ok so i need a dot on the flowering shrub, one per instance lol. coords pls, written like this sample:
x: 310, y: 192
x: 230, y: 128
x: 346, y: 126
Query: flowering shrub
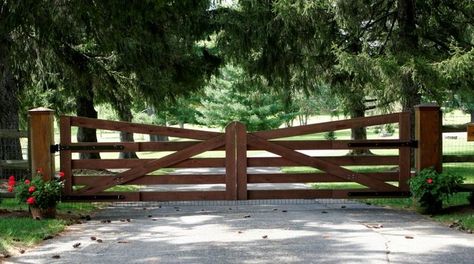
x: 430, y: 188
x: 37, y: 192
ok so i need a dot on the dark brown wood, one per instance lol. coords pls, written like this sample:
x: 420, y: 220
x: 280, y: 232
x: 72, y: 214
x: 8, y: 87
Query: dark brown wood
x: 326, y: 166
x: 150, y: 196
x: 328, y: 126
x: 230, y: 162
x: 428, y: 133
x: 148, y: 167
x: 336, y: 144
x: 342, y: 160
x: 10, y: 133
x: 457, y: 158
x: 139, y: 146
x: 157, y: 179
x: 124, y: 164
x: 315, y: 194
x: 313, y: 177
x: 65, y: 157
x: 454, y: 128
x: 241, y: 153
x: 142, y: 128
x: 404, y: 153
x: 41, y: 138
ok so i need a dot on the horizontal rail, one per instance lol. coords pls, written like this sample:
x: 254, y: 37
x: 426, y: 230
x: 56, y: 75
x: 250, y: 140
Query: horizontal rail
x: 312, y: 177
x: 454, y: 128
x: 220, y: 162
x: 14, y: 164
x: 329, y: 126
x: 457, y: 158
x: 141, y: 128
x: 150, y: 196
x: 10, y: 133
x: 315, y: 194
x: 158, y: 179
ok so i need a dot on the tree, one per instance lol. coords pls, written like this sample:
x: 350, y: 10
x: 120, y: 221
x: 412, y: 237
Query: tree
x: 231, y: 97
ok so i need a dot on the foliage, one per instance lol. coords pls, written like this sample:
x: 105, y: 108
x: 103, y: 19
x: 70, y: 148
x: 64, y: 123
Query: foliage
x: 430, y: 188
x: 471, y: 198
x: 231, y: 97
x: 330, y: 135
x: 38, y: 192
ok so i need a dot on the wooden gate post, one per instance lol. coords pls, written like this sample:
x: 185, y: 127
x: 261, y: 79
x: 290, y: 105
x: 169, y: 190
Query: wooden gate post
x: 41, y: 138
x: 230, y: 163
x: 241, y: 158
x: 429, y: 135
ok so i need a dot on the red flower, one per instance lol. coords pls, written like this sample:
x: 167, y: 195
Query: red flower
x: 10, y: 188
x: 31, y: 189
x: 31, y: 201
x: 27, y: 182
x: 39, y: 170
x: 429, y: 181
x: 11, y: 178
x: 11, y: 183
x: 61, y: 174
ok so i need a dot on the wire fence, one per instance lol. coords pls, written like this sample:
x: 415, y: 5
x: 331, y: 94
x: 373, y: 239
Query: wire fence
x: 13, y: 156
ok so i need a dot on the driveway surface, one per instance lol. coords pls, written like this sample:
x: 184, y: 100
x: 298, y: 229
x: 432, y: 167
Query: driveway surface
x: 272, y: 231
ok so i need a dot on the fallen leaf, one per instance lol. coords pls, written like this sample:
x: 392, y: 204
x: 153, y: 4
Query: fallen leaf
x: 240, y: 232
x: 128, y: 220
x: 99, y: 240
x: 93, y: 238
x: 284, y: 211
x: 409, y: 237
x: 246, y: 216
x: 265, y: 236
x: 122, y: 242
x: 324, y: 212
x: 343, y: 206
x: 76, y: 245
x: 56, y: 257
x: 150, y: 216
x: 22, y: 251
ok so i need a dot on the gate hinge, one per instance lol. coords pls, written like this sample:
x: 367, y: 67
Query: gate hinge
x: 58, y: 147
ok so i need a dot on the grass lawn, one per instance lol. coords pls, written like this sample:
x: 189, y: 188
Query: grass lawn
x: 19, y: 231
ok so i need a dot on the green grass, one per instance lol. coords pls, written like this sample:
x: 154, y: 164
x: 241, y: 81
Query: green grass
x: 21, y: 231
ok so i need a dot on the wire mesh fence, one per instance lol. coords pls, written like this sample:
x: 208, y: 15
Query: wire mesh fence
x: 13, y: 157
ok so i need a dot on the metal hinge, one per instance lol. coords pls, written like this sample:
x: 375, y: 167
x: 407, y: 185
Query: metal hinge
x: 58, y: 147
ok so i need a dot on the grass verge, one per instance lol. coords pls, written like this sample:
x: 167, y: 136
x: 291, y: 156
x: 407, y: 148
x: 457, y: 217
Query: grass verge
x: 18, y: 231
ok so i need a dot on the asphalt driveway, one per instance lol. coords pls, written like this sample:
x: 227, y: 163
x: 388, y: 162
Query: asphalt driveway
x: 283, y: 231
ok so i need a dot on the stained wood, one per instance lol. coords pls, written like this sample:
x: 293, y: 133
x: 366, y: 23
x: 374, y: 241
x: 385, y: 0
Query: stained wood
x: 332, y: 144
x: 65, y: 156
x: 404, y: 153
x: 130, y: 163
x: 328, y: 126
x: 241, y: 154
x: 142, y: 128
x: 342, y: 160
x: 458, y: 158
x: 315, y: 194
x: 152, y: 196
x: 40, y: 141
x: 10, y: 133
x: 470, y: 132
x: 326, y: 166
x: 313, y: 177
x: 157, y: 179
x: 428, y: 133
x: 230, y: 163
x: 150, y: 166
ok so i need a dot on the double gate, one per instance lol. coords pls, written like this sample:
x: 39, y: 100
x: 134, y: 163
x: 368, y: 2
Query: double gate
x: 237, y: 150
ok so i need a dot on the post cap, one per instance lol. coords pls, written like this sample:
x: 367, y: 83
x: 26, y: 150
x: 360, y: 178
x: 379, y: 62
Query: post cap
x: 41, y: 110
x: 427, y: 106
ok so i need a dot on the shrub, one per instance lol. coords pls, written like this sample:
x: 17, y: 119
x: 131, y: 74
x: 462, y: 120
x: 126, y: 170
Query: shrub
x: 430, y: 189
x: 39, y: 193
x: 330, y: 135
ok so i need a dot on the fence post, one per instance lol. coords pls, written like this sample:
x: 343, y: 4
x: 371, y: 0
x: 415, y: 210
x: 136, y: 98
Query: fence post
x: 429, y: 135
x: 230, y: 163
x: 41, y: 138
x: 241, y: 159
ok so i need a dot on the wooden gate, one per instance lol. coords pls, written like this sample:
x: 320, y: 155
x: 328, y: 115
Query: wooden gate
x: 235, y: 147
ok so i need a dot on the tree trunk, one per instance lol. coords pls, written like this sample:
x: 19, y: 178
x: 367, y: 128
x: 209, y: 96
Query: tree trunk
x: 407, y: 44
x: 359, y: 133
x: 10, y: 148
x: 125, y: 114
x: 85, y: 107
x: 155, y: 138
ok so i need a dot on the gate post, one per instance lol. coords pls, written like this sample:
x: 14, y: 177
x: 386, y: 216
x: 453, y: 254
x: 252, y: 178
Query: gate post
x: 41, y: 138
x: 241, y: 159
x: 230, y: 163
x: 429, y: 135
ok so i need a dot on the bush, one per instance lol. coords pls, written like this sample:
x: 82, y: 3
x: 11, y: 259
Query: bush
x: 430, y: 189
x: 471, y: 199
x: 330, y: 135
